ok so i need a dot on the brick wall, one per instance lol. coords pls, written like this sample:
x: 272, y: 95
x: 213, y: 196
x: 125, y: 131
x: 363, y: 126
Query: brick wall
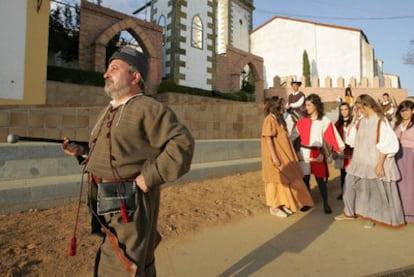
x: 207, y: 118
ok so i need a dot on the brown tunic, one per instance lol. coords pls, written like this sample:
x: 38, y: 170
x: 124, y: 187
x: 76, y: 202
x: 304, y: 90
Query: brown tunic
x: 140, y: 136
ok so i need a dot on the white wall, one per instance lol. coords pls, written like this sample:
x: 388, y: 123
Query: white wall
x: 12, y: 48
x: 162, y: 9
x: 222, y: 26
x: 196, y: 63
x: 332, y: 52
x: 240, y: 27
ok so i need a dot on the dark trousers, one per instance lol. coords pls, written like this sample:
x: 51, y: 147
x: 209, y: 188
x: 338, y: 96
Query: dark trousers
x: 323, y: 189
x: 343, y: 175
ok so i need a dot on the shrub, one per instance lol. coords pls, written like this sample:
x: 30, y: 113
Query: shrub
x: 75, y: 76
x: 83, y: 77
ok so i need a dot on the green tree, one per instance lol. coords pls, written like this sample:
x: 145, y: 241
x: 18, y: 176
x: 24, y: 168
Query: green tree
x: 64, y: 32
x: 306, y: 68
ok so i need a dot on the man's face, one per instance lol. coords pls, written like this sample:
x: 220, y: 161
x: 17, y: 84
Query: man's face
x: 117, y: 79
x: 295, y: 87
x: 385, y: 98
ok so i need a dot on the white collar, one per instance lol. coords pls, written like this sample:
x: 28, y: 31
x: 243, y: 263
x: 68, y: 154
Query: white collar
x: 125, y: 101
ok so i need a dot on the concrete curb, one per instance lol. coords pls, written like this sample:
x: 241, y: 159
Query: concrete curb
x: 40, y: 176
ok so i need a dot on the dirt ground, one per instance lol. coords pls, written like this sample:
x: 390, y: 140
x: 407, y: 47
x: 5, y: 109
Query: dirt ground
x: 36, y: 243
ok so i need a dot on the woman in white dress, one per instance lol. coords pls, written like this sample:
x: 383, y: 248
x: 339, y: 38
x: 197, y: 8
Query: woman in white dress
x: 370, y: 191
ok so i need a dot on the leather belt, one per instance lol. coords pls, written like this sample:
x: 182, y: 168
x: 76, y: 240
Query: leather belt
x: 311, y: 147
x: 104, y: 180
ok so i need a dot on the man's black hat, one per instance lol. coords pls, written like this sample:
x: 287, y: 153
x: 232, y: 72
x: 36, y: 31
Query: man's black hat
x: 134, y: 58
x: 296, y: 82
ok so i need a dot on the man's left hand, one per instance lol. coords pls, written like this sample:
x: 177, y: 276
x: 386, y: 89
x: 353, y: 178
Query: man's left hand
x: 140, y: 182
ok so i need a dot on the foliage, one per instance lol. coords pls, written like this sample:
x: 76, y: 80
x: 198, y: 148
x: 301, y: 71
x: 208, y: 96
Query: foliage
x: 306, y: 68
x: 83, y: 77
x: 76, y: 76
x: 64, y: 32
x: 170, y: 86
x: 248, y: 83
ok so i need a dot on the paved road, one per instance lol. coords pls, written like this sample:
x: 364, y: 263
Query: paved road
x: 305, y: 244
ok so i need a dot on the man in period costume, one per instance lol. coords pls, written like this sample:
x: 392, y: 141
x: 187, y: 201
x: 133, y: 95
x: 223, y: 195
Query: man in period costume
x: 136, y: 145
x: 296, y: 100
x: 387, y: 106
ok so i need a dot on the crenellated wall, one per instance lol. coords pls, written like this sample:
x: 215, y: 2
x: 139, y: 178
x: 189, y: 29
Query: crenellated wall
x: 328, y: 93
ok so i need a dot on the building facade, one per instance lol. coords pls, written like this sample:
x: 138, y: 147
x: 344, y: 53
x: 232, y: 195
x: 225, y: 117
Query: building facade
x: 333, y: 51
x: 23, y: 51
x: 195, y: 32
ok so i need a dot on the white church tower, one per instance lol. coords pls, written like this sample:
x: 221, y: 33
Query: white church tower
x: 195, y: 32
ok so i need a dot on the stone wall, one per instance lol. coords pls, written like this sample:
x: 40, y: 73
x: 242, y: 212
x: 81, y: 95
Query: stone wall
x: 328, y: 93
x: 74, y: 112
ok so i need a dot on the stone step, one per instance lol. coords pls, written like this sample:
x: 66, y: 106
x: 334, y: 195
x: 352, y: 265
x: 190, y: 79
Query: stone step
x: 37, y: 160
x: 47, y: 192
x: 39, y: 175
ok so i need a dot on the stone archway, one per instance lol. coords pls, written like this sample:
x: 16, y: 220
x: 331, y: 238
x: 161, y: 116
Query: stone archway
x: 99, y: 25
x: 230, y: 68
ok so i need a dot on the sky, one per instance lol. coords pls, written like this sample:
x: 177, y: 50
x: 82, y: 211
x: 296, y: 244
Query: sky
x: 384, y: 22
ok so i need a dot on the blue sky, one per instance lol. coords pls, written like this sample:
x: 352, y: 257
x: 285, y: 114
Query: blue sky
x: 384, y: 22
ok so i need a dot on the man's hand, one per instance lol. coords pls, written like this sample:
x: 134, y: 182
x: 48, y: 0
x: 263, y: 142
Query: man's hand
x: 141, y: 183
x: 72, y: 149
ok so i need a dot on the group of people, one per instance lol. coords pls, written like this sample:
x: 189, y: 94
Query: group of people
x: 138, y: 144
x: 374, y: 156
x: 294, y: 147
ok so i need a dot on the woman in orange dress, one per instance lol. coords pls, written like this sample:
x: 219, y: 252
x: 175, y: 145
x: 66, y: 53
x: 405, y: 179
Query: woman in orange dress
x: 285, y: 190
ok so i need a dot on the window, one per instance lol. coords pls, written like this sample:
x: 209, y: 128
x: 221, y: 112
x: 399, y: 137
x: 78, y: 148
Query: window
x: 197, y: 32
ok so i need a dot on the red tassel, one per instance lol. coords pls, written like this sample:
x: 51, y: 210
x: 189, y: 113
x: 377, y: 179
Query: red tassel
x: 124, y: 213
x: 72, y: 249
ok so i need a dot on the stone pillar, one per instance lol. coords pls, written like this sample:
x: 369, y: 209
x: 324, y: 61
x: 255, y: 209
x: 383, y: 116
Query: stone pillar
x: 100, y: 57
x: 340, y: 82
x: 364, y: 82
x: 303, y: 80
x: 353, y: 82
x: 387, y: 83
x: 328, y: 82
x: 315, y: 82
x: 376, y: 82
x: 276, y: 82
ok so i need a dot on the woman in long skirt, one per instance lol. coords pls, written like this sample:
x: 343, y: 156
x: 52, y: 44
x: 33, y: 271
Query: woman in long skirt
x: 370, y: 190
x: 285, y: 190
x: 405, y: 157
x: 343, y: 160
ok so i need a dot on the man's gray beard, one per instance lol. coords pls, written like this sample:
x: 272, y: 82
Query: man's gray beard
x: 116, y: 92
